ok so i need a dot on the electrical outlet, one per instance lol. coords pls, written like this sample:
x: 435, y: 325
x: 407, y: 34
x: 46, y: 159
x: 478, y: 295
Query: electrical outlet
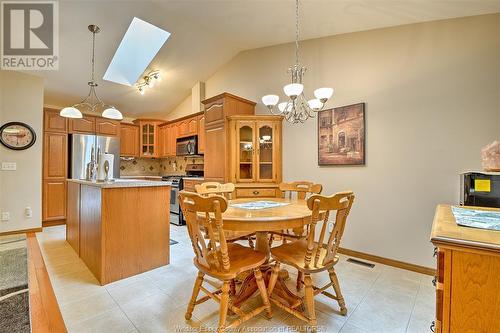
x: 28, y: 212
x: 5, y: 216
x: 9, y: 166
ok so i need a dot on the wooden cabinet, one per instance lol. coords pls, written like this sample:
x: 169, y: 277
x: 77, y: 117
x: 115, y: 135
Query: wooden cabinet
x: 255, y: 149
x: 107, y: 127
x: 85, y: 125
x: 53, y: 122
x: 129, y: 140
x: 73, y: 216
x: 201, y: 134
x: 217, y: 143
x: 256, y: 192
x: 467, y: 281
x: 167, y: 139
x: 54, y: 199
x: 55, y: 166
x: 187, y: 127
x: 55, y: 155
x: 149, y: 137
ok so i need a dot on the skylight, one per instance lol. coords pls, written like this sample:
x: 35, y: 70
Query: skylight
x: 139, y: 45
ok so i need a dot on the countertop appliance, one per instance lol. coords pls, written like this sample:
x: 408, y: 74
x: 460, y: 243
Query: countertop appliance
x: 85, y: 151
x: 177, y: 184
x: 480, y: 189
x: 187, y: 146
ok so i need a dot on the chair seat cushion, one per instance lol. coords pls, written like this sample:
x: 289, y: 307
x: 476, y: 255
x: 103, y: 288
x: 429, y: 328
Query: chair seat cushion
x: 241, y: 259
x: 294, y: 253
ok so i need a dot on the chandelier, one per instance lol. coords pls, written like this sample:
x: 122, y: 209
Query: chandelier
x: 297, y: 108
x: 92, y: 103
x: 148, y: 81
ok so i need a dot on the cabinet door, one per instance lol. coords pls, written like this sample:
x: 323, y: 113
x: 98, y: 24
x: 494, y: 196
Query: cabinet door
x: 215, y: 153
x: 172, y: 140
x: 201, y: 134
x: 129, y: 140
x: 73, y: 216
x: 214, y: 112
x: 192, y: 126
x: 53, y: 122
x: 55, y: 152
x: 266, y: 151
x: 54, y: 200
x: 85, y: 125
x: 163, y: 141
x: 107, y: 127
x: 149, y: 140
x: 246, y: 151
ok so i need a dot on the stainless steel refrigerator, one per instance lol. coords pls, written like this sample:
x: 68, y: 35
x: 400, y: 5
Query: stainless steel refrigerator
x: 83, y: 148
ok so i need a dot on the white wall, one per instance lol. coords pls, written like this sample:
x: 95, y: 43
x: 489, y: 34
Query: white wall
x: 21, y: 99
x: 432, y: 102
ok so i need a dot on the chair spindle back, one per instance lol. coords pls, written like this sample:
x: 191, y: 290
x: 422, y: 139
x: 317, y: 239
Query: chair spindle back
x: 215, y: 188
x: 341, y: 203
x: 299, y: 189
x: 211, y: 253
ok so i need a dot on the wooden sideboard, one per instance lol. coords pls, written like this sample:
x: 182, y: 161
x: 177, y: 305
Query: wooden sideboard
x: 468, y: 275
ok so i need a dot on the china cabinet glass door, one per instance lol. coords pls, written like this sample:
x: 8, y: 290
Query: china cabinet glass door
x: 265, y: 152
x: 148, y: 140
x: 246, y: 152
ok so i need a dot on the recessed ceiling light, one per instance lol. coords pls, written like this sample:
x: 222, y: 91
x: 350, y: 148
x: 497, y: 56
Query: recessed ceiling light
x: 139, y: 46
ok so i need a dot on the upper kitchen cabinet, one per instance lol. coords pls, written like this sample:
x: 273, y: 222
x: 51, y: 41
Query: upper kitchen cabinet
x: 201, y: 134
x: 187, y: 127
x: 107, y: 127
x: 129, y: 140
x: 53, y: 122
x: 216, y: 142
x: 85, y: 125
x: 149, y: 137
x: 55, y: 155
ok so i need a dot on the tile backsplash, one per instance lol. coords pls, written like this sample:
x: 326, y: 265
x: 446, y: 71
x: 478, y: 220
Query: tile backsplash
x: 157, y: 167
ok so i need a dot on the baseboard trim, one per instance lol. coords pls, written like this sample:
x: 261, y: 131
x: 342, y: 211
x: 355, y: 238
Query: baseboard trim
x: 389, y: 262
x: 53, y: 223
x: 24, y: 231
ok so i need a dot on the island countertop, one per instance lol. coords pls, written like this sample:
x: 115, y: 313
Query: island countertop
x: 117, y: 183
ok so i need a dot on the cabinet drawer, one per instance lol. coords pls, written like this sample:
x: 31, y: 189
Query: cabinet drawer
x: 255, y: 192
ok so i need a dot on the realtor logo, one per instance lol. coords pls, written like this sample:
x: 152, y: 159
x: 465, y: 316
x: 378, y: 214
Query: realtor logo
x: 29, y: 33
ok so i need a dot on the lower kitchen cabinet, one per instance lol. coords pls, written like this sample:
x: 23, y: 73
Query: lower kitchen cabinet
x: 54, y: 199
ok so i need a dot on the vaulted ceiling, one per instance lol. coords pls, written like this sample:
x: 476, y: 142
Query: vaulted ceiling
x: 208, y: 33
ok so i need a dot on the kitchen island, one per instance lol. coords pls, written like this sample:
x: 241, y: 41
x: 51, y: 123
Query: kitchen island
x: 119, y: 229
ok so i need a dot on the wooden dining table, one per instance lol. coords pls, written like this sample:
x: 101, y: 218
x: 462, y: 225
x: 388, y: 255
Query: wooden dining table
x: 294, y: 214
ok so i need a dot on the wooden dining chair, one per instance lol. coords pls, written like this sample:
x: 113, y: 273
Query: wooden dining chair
x: 218, y: 259
x: 309, y: 256
x: 227, y: 191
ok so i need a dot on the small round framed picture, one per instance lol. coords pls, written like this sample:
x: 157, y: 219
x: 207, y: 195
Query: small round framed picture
x: 17, y: 136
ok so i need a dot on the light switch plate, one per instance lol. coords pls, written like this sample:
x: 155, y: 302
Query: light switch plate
x: 5, y: 216
x: 9, y: 166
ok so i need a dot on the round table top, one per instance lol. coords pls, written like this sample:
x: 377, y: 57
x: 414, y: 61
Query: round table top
x: 293, y: 215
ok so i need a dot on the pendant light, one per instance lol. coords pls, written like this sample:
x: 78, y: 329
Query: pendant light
x: 92, y: 103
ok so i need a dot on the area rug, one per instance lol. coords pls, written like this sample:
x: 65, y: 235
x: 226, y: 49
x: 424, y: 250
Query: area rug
x: 14, y: 301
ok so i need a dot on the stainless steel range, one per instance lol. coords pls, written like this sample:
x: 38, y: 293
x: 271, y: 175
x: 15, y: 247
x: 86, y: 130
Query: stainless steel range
x: 176, y: 183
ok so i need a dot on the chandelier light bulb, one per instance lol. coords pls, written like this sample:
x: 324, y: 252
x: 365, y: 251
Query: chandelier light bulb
x: 282, y: 106
x: 323, y: 94
x: 112, y: 113
x: 142, y: 90
x: 315, y: 104
x: 293, y: 90
x: 70, y: 112
x: 270, y: 100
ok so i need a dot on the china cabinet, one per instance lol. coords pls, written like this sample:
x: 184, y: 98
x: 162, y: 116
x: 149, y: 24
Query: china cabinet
x: 148, y: 137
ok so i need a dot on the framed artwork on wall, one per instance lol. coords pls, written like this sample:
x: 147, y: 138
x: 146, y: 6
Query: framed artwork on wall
x: 341, y: 135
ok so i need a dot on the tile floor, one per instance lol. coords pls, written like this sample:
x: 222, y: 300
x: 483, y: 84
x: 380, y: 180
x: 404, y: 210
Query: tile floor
x: 380, y: 299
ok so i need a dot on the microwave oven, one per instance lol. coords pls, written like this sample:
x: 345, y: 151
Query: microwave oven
x: 480, y: 189
x: 187, y: 146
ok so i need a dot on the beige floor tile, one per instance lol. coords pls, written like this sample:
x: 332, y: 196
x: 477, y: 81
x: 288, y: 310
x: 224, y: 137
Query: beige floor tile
x: 85, y: 308
x: 158, y: 313
x: 350, y: 328
x: 110, y: 321
x: 122, y: 294
x: 383, y: 312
